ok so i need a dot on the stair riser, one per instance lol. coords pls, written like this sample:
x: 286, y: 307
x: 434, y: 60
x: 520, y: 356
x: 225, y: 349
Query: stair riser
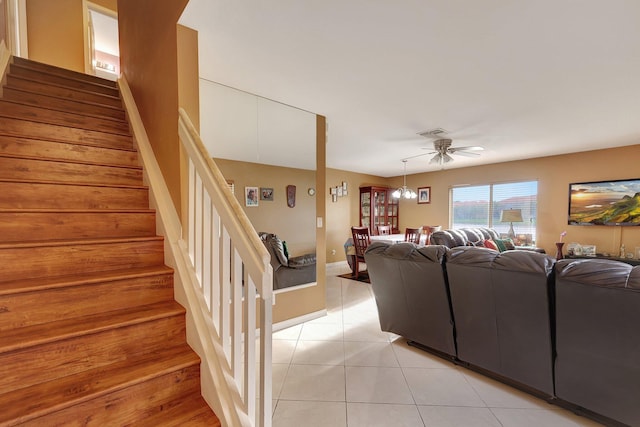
x: 44, y: 261
x: 62, y: 72
x: 61, y: 151
x: 27, y: 129
x: 26, y: 309
x: 19, y: 368
x: 45, y: 170
x: 55, y: 225
x: 64, y: 92
x: 42, y: 76
x: 126, y: 407
x: 43, y: 115
x: 60, y: 104
x: 19, y: 195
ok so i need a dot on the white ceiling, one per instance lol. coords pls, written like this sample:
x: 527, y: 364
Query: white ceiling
x: 520, y: 78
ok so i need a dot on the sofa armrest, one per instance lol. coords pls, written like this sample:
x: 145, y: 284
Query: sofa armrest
x: 302, y: 261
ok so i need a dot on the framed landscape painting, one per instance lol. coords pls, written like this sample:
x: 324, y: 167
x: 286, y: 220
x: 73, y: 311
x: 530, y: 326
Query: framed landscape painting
x: 605, y: 202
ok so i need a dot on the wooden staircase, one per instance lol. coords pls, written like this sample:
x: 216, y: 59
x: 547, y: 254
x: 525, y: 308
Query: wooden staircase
x: 90, y: 333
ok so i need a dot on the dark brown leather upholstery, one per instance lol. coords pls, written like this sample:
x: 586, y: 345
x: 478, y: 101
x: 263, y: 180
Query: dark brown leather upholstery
x: 501, y: 306
x: 463, y: 236
x: 288, y: 271
x: 598, y: 338
x: 410, y: 288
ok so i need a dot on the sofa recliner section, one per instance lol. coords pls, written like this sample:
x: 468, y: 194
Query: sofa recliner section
x: 411, y: 294
x: 501, y: 308
x: 597, y: 339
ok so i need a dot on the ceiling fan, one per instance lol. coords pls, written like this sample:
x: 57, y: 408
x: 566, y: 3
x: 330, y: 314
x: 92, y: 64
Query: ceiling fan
x: 443, y: 148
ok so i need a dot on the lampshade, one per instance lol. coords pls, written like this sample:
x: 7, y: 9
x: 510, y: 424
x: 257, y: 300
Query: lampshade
x: 511, y: 215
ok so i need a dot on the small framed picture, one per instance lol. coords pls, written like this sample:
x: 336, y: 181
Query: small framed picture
x: 424, y: 195
x: 266, y: 193
x: 339, y: 191
x: 333, y: 191
x: 344, y: 187
x: 251, y: 196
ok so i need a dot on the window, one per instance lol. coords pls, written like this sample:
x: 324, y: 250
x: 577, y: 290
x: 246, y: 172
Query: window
x: 482, y: 206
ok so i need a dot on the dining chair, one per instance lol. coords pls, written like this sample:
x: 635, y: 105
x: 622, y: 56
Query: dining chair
x: 384, y: 230
x: 428, y: 230
x: 412, y: 235
x: 360, y: 243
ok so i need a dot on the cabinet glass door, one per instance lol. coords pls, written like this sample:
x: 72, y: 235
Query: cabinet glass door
x: 365, y: 209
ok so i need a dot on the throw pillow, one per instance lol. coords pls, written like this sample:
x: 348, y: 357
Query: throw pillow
x: 491, y: 245
x: 504, y: 244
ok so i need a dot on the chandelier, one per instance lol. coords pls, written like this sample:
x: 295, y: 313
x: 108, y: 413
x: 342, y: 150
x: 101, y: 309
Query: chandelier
x: 404, y: 192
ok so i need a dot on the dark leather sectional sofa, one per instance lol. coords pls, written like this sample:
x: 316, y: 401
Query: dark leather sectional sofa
x: 565, y: 331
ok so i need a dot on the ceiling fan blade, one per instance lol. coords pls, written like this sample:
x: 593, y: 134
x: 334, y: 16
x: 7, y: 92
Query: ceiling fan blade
x: 446, y: 158
x: 470, y: 148
x: 437, y: 159
x: 466, y: 154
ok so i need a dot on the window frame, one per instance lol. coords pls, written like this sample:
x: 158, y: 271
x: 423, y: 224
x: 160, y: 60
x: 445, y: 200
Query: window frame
x: 529, y: 231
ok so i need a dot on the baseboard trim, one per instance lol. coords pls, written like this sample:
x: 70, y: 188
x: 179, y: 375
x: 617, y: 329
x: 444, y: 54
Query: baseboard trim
x: 297, y: 320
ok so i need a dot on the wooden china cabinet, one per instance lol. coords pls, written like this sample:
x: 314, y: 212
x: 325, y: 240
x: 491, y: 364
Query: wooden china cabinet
x: 377, y: 207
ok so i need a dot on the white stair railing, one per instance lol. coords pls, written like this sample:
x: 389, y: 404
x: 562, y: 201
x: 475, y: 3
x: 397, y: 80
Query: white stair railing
x: 234, y: 273
x: 223, y: 278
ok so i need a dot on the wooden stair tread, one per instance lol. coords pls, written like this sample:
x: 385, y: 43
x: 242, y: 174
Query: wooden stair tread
x: 35, y: 181
x: 58, y: 103
x: 30, y: 336
x: 66, y: 211
x: 73, y: 161
x: 78, y: 242
x: 53, y: 76
x: 97, y: 94
x: 40, y: 399
x: 37, y: 65
x: 36, y: 113
x: 40, y: 284
x: 191, y: 410
x: 24, y: 127
x: 10, y: 138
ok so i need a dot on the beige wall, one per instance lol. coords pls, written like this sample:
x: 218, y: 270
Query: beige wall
x: 345, y: 212
x: 148, y: 56
x: 55, y: 33
x: 553, y: 175
x: 275, y: 216
x: 295, y: 225
x: 3, y: 22
x: 299, y: 302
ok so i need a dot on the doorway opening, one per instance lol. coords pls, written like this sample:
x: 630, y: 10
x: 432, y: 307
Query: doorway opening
x: 102, y: 51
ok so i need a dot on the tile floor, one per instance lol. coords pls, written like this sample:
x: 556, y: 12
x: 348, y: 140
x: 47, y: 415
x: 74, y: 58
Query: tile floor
x: 341, y: 370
